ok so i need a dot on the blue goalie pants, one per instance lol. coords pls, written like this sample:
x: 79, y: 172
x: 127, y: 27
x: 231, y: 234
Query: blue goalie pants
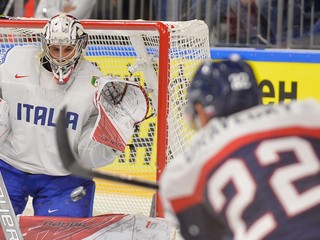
x: 51, y: 194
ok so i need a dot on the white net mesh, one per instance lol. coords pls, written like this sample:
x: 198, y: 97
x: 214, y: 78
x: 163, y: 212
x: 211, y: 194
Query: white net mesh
x: 157, y: 56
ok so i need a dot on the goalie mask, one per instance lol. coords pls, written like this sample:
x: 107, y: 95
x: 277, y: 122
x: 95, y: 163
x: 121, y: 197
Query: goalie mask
x: 63, y: 42
x: 223, y: 88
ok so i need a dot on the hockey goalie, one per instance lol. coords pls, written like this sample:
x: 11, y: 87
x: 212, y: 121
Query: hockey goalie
x: 37, y: 82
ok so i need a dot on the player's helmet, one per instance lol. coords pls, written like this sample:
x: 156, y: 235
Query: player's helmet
x: 223, y: 88
x: 63, y: 31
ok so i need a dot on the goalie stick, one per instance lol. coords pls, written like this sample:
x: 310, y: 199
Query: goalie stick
x: 8, y: 219
x: 8, y: 7
x: 70, y: 162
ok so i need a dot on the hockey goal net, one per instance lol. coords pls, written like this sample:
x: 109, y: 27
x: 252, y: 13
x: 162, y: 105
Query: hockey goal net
x: 162, y: 57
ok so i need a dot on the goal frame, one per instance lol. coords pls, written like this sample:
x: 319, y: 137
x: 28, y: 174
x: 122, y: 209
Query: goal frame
x: 164, y: 75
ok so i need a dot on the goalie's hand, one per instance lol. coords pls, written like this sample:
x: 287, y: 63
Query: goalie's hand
x: 4, y: 120
x: 121, y: 104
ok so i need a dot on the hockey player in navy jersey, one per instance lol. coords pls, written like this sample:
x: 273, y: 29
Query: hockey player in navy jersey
x: 36, y: 83
x: 252, y: 170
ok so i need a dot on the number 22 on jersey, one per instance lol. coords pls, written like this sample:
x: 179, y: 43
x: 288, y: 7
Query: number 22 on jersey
x: 281, y: 181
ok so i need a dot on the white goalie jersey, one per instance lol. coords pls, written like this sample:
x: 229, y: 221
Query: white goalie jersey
x: 35, y: 101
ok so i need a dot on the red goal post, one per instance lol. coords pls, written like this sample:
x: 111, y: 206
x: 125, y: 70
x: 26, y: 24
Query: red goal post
x: 162, y: 57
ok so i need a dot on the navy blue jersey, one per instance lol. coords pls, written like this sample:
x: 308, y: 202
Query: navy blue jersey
x: 254, y: 175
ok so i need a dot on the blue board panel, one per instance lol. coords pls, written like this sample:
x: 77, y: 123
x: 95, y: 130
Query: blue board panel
x: 268, y: 55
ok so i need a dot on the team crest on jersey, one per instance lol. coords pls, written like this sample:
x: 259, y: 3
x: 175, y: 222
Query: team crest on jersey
x: 94, y: 81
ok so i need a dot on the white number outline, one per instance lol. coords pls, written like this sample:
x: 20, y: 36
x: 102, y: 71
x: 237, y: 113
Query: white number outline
x: 281, y: 181
x: 236, y: 171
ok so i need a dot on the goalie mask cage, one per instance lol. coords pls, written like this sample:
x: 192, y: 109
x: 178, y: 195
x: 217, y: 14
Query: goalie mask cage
x: 162, y: 57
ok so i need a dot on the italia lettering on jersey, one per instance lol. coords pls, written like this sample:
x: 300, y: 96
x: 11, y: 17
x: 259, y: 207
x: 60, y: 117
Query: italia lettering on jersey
x: 35, y: 101
x: 40, y: 115
x: 257, y: 179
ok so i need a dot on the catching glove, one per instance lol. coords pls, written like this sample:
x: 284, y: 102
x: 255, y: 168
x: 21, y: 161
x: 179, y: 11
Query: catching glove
x: 122, y: 105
